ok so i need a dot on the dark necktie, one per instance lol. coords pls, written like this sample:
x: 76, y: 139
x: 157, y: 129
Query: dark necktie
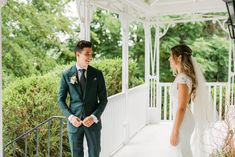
x: 82, y: 79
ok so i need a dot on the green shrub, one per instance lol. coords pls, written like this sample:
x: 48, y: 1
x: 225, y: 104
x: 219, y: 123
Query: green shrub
x: 26, y: 103
x: 112, y: 71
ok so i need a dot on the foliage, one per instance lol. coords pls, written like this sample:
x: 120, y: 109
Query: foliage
x: 112, y: 69
x: 214, y: 55
x: 32, y: 33
x: 136, y: 47
x: 106, y: 34
x: 207, y: 48
x: 26, y: 103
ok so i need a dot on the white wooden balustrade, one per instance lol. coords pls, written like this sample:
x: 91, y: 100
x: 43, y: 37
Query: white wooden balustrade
x: 122, y: 119
x: 218, y: 92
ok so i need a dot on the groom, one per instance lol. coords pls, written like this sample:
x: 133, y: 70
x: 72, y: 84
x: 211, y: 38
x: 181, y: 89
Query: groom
x: 87, y: 100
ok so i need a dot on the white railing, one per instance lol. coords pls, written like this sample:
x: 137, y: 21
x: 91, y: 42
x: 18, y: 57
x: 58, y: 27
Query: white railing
x: 217, y: 90
x: 124, y: 116
x: 113, y: 118
x: 137, y: 108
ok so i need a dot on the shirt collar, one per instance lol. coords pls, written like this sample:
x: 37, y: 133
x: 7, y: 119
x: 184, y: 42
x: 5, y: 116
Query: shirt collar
x: 78, y: 67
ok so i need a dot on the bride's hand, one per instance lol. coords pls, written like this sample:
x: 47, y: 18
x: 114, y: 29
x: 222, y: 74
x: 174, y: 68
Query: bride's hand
x: 174, y: 137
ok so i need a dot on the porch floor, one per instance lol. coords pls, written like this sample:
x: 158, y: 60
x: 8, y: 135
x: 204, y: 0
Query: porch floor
x: 153, y: 140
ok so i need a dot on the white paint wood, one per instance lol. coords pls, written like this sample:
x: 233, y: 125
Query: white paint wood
x: 85, y: 15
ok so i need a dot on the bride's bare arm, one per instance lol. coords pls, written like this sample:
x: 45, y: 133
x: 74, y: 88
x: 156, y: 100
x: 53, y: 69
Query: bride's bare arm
x: 183, y: 99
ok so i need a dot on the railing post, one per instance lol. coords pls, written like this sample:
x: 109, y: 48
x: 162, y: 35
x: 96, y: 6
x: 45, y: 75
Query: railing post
x: 14, y: 149
x: 37, y: 142
x: 48, y: 139
x: 61, y: 135
x: 125, y: 79
x: 26, y: 146
x: 147, y: 66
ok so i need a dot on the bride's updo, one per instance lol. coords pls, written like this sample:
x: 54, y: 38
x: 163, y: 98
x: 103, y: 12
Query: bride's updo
x: 186, y: 63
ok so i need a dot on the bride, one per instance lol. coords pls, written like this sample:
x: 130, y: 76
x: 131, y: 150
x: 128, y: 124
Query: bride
x: 189, y: 84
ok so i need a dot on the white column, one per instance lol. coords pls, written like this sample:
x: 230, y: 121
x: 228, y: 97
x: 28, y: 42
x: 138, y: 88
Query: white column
x: 125, y: 49
x: 147, y: 51
x: 223, y: 26
x: 125, y: 81
x: 2, y: 2
x: 147, y: 34
x: 85, y: 11
x: 158, y: 89
x: 158, y: 53
x: 228, y: 89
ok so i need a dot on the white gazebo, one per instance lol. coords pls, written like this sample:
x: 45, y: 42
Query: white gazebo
x: 137, y: 121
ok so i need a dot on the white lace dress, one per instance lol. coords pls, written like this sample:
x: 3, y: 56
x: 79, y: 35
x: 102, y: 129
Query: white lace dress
x: 183, y: 149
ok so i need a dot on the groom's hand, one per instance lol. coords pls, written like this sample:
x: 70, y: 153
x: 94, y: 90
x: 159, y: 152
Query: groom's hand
x: 76, y: 121
x: 88, y: 121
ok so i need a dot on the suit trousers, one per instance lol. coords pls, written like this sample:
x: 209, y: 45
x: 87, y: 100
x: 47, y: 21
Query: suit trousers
x: 92, y: 135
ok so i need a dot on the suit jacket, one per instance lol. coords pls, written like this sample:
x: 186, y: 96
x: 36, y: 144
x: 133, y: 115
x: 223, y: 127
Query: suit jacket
x: 92, y: 101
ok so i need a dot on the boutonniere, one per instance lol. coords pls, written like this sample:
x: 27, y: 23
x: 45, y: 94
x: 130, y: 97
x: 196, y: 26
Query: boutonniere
x: 73, y: 79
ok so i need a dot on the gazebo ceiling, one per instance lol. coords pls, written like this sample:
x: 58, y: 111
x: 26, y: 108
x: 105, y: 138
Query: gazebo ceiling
x: 192, y: 10
x: 157, y: 8
x: 175, y: 7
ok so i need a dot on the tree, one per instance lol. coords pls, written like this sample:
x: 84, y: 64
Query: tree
x: 106, y: 34
x: 32, y: 32
x: 208, y: 42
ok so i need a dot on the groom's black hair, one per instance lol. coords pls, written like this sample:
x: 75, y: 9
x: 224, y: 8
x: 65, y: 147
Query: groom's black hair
x: 81, y: 45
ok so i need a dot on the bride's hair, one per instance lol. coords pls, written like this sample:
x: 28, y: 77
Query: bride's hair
x: 186, y: 63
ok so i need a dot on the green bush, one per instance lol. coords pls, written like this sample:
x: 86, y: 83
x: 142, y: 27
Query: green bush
x: 29, y: 101
x: 26, y: 103
x: 112, y: 71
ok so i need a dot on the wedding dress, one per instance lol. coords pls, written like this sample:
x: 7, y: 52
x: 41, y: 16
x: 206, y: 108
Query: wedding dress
x: 183, y: 148
x: 191, y: 141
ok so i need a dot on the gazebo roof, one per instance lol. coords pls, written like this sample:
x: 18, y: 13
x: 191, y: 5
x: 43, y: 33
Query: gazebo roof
x: 152, y: 9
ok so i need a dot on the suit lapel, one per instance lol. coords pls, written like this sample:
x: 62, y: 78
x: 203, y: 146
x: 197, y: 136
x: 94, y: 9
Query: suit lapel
x: 77, y: 85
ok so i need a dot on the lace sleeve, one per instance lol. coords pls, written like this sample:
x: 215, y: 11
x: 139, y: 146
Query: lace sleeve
x: 184, y: 79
